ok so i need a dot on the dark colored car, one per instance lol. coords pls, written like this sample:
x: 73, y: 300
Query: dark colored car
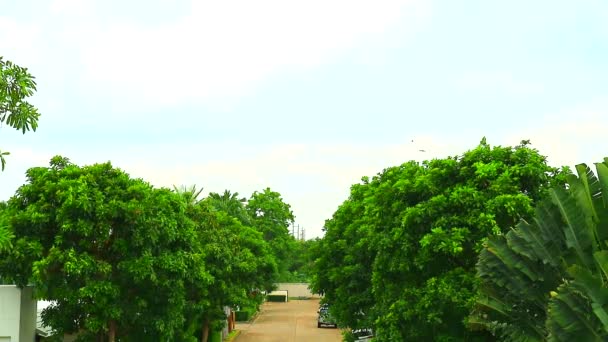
x: 362, y: 335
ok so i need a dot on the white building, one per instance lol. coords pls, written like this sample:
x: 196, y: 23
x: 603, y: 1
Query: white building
x: 17, y: 314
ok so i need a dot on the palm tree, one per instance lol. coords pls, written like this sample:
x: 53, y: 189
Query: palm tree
x: 231, y: 204
x: 190, y: 194
x: 548, y: 279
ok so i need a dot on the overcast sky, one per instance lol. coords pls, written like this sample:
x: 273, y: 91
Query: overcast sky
x: 304, y: 97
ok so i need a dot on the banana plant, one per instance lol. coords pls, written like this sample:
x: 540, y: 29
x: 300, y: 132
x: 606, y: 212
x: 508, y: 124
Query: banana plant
x: 547, y: 280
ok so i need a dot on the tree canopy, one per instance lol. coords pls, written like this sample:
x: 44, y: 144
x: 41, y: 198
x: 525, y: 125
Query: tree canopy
x: 271, y: 216
x: 120, y: 259
x: 399, y: 254
x: 112, y: 253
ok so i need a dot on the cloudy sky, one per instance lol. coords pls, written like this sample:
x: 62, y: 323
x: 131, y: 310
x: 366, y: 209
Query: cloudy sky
x: 304, y: 97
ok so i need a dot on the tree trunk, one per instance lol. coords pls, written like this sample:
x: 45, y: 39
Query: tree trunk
x: 112, y: 331
x: 231, y: 321
x: 205, y: 334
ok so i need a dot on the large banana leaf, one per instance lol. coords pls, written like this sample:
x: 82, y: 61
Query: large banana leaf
x: 547, y: 279
x: 570, y: 317
x: 539, y: 241
x: 513, y: 303
x: 602, y: 226
x: 579, y: 236
x: 588, y: 189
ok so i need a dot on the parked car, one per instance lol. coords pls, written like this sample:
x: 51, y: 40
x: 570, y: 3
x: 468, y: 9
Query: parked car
x: 363, y: 335
x: 325, y: 318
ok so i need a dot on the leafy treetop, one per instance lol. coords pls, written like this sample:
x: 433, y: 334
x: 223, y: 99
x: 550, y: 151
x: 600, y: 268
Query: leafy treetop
x: 399, y: 253
x: 16, y: 85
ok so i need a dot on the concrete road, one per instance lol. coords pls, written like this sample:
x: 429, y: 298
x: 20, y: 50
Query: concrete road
x: 294, y: 321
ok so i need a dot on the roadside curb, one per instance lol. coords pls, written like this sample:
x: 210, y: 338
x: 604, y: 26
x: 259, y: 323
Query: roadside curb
x: 256, y: 315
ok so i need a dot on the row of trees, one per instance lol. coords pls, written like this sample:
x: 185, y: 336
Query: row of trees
x: 122, y: 260
x: 400, y: 255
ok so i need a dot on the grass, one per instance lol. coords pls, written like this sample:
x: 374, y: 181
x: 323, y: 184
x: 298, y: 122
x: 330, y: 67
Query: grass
x: 233, y: 334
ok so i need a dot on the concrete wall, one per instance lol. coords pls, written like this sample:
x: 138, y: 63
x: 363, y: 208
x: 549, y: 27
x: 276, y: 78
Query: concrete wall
x: 10, y: 306
x: 17, y: 314
x: 27, y: 329
x: 296, y: 289
x: 278, y: 296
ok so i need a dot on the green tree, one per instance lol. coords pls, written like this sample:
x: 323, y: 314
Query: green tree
x: 302, y: 258
x: 112, y: 253
x: 424, y: 275
x: 231, y: 204
x: 5, y: 233
x: 271, y: 216
x: 547, y: 279
x: 400, y: 253
x: 344, y: 260
x: 16, y: 85
x: 236, y: 257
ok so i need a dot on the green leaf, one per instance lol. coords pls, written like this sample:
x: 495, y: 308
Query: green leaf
x: 601, y: 257
x: 576, y: 229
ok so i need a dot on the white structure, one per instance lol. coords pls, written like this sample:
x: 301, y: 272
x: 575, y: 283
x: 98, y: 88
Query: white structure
x: 296, y: 290
x: 17, y: 314
x: 277, y: 293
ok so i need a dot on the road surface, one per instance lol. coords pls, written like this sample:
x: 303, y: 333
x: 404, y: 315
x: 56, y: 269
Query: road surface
x: 294, y: 321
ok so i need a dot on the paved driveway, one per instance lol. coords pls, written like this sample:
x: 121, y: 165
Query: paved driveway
x: 294, y: 321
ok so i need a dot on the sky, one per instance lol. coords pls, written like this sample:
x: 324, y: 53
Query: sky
x: 304, y: 97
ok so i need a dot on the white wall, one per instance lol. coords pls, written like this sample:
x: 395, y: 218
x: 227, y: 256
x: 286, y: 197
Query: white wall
x: 17, y: 314
x: 296, y: 289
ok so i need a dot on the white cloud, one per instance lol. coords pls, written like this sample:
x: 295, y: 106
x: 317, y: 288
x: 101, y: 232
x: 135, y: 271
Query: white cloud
x: 224, y: 48
x: 73, y: 8
x: 316, y: 178
x: 16, y: 40
x: 498, y: 82
x: 572, y: 136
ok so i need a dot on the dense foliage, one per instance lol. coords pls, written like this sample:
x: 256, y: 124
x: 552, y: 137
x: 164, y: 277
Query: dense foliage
x: 302, y: 258
x: 548, y: 278
x: 237, y: 258
x: 421, y: 251
x: 121, y: 260
x: 6, y: 234
x: 399, y: 254
x: 270, y: 215
x: 104, y: 248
